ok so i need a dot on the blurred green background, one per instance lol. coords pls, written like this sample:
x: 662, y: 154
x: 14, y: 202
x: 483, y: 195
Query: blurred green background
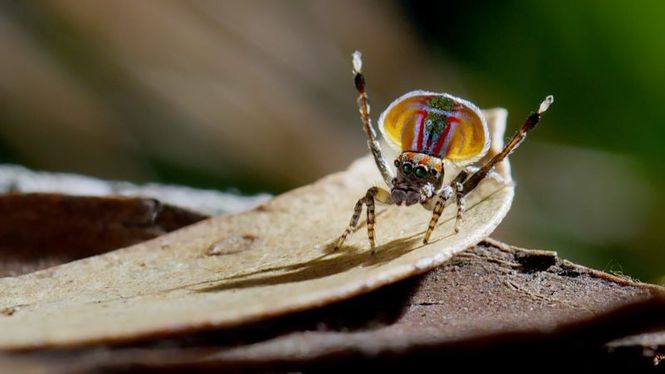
x: 257, y: 96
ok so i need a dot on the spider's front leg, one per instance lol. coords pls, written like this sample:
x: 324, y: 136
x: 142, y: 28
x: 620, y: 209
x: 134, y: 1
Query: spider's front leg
x: 455, y: 188
x: 441, y: 198
x: 445, y: 192
x: 374, y: 193
x: 458, y: 188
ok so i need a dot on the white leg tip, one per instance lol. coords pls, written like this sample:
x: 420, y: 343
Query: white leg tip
x: 546, y: 104
x: 357, y: 62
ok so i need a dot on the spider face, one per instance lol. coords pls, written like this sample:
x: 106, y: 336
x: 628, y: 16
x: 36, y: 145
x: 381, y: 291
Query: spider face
x: 417, y: 176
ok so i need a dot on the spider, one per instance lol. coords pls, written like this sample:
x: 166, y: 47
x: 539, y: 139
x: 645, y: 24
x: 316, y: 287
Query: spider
x: 428, y: 128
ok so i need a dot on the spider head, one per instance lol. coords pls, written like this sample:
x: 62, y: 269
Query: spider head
x: 417, y: 177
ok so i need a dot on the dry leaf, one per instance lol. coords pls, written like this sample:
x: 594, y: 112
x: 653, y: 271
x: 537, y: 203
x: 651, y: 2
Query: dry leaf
x: 40, y: 230
x: 18, y: 179
x: 233, y: 269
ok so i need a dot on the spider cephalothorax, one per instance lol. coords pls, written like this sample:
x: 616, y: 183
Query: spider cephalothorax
x: 417, y: 178
x: 428, y: 128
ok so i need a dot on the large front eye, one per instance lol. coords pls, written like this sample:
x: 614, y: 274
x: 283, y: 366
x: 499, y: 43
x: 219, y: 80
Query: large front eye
x: 420, y: 172
x: 407, y: 168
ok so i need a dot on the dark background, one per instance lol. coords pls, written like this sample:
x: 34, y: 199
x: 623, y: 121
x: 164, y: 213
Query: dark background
x: 257, y: 96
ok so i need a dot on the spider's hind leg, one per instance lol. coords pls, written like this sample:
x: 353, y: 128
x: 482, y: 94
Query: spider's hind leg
x: 363, y: 108
x: 469, y: 178
x: 531, y: 121
x: 374, y: 193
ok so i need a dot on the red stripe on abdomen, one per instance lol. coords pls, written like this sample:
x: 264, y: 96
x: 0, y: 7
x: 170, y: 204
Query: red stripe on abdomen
x: 420, y: 131
x: 443, y: 139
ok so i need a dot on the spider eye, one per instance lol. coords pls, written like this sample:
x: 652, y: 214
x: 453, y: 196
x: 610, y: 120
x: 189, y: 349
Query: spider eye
x: 420, y: 172
x: 397, y: 163
x: 407, y: 168
x: 432, y: 171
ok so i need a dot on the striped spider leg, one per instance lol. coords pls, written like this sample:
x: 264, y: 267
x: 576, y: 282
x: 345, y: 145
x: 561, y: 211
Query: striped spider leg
x: 468, y: 179
x: 374, y: 193
x: 363, y: 108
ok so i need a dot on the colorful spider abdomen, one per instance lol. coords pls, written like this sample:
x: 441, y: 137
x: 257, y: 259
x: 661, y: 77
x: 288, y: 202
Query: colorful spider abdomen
x: 436, y: 124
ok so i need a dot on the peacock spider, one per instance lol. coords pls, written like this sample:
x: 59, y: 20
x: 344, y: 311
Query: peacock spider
x: 428, y: 128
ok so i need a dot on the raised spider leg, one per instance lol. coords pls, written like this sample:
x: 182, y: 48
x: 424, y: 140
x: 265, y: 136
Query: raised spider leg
x: 531, y: 121
x: 374, y: 193
x: 363, y: 107
x: 466, y: 180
